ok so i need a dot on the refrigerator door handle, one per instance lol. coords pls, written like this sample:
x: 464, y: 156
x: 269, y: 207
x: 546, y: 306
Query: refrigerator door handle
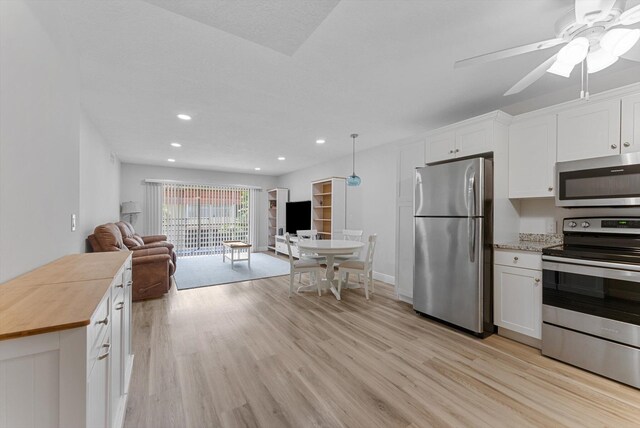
x: 471, y: 209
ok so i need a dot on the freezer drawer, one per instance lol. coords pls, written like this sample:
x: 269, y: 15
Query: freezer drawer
x: 448, y: 270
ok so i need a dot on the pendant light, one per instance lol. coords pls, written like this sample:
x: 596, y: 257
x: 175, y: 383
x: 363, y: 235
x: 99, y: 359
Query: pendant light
x: 353, y: 179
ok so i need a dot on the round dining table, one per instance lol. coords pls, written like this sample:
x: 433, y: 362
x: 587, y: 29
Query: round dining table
x: 328, y: 248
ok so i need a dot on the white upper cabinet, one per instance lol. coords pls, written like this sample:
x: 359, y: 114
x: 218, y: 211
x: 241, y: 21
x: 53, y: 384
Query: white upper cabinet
x: 589, y: 131
x: 440, y: 147
x: 471, y: 137
x: 474, y: 139
x: 532, y: 156
x: 631, y: 123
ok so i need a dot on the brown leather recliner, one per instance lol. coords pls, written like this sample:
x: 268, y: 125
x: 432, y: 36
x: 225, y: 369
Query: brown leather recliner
x: 134, y: 241
x: 152, y: 267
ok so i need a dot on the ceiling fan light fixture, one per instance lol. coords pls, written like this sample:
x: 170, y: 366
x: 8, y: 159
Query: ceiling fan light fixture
x: 632, y: 13
x: 599, y: 59
x: 561, y: 69
x: 574, y: 52
x: 618, y: 41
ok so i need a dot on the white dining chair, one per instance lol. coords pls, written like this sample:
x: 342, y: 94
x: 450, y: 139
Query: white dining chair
x: 302, y: 266
x: 350, y: 235
x: 364, y: 267
x: 306, y: 255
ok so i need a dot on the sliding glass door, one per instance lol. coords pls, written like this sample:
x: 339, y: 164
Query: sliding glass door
x: 197, y: 219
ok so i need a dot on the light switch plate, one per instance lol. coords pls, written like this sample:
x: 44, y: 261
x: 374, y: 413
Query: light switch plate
x: 550, y: 226
x: 73, y: 222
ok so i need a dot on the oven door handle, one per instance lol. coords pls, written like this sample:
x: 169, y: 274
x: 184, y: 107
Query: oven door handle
x: 565, y: 260
x: 590, y: 270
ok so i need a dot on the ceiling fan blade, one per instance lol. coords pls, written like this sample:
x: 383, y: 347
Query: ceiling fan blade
x: 633, y: 54
x: 506, y: 53
x: 590, y: 11
x: 527, y: 80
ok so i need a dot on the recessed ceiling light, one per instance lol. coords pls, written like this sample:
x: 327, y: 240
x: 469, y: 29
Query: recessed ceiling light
x: 184, y: 116
x: 281, y: 158
x: 171, y: 160
x: 320, y: 141
x: 176, y: 145
x: 257, y: 168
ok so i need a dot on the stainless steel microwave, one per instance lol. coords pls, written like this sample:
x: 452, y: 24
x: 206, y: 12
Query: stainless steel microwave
x: 611, y: 181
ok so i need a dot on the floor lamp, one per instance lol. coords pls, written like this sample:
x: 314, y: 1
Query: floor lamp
x: 130, y: 209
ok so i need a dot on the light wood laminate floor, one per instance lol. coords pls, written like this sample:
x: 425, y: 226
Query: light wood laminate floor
x: 245, y: 355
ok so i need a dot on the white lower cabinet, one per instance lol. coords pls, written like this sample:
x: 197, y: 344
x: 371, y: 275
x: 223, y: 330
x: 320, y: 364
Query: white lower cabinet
x: 518, y: 293
x: 77, y: 377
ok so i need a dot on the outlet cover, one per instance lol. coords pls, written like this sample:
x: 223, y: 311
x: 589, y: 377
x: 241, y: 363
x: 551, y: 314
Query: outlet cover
x: 550, y: 225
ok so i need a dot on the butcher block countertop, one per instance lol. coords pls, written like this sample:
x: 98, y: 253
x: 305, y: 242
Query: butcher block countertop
x: 57, y: 296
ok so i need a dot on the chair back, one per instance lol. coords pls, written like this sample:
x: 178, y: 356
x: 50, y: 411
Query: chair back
x: 287, y: 238
x: 368, y: 261
x: 352, y: 235
x: 307, y: 234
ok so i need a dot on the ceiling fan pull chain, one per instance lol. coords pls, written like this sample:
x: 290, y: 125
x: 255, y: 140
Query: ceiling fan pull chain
x: 582, y: 80
x: 586, y: 79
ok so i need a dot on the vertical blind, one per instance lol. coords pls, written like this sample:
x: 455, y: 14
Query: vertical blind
x: 197, y: 219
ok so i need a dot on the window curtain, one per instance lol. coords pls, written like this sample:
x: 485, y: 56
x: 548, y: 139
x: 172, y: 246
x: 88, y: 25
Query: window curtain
x: 152, y: 215
x: 198, y: 218
x: 254, y: 224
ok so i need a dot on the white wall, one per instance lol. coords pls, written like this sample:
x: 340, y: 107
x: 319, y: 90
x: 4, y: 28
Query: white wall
x: 370, y: 207
x: 132, y: 187
x: 99, y: 180
x: 39, y: 111
x: 48, y: 150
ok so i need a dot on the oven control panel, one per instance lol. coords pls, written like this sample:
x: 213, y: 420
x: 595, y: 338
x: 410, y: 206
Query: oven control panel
x: 627, y: 225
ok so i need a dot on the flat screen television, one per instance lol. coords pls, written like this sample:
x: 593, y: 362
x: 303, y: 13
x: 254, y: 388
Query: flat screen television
x: 298, y: 216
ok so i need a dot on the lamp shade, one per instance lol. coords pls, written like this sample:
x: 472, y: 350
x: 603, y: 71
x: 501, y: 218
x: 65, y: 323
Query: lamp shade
x: 130, y: 208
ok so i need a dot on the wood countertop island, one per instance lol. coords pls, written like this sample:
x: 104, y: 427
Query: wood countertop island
x: 60, y: 295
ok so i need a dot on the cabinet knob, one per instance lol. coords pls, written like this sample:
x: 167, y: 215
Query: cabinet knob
x: 105, y: 321
x: 614, y: 146
x: 120, y: 286
x: 515, y: 258
x: 106, y: 354
x: 457, y: 150
x: 120, y: 306
x: 450, y: 151
x: 129, y: 283
x: 537, y: 280
x: 551, y: 189
x: 627, y: 144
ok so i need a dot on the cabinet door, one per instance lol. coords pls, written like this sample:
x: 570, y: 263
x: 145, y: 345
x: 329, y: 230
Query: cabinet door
x: 98, y: 390
x: 518, y: 300
x: 631, y: 124
x: 589, y: 132
x: 474, y: 139
x: 404, y: 253
x: 410, y: 157
x: 440, y: 147
x: 532, y: 156
x: 117, y: 358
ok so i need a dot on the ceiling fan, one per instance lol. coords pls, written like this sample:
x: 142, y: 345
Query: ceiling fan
x: 595, y: 33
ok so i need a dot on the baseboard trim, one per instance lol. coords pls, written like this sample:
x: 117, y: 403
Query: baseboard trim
x: 384, y: 278
x: 405, y: 299
x: 519, y: 337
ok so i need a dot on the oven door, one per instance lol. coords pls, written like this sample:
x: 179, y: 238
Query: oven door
x: 607, y: 181
x: 599, y: 298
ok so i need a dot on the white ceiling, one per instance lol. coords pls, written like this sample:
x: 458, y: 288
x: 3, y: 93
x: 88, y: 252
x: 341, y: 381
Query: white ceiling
x: 265, y: 78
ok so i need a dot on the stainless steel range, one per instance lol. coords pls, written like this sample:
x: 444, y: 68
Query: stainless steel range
x: 591, y: 297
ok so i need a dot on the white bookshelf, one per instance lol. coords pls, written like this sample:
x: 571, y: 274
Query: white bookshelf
x: 277, y: 199
x: 329, y: 207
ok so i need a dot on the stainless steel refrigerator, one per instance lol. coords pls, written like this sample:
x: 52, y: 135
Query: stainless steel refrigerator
x: 453, y: 206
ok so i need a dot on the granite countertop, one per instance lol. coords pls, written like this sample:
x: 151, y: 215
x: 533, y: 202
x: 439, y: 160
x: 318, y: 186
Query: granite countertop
x: 533, y: 242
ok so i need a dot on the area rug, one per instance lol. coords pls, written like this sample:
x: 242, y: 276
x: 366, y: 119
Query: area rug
x: 204, y: 271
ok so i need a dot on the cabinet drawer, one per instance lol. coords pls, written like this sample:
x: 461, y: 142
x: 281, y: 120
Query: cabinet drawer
x: 99, y: 323
x: 281, y: 247
x: 523, y: 259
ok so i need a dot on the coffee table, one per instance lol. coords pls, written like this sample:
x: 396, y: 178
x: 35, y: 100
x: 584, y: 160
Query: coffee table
x: 236, y: 247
